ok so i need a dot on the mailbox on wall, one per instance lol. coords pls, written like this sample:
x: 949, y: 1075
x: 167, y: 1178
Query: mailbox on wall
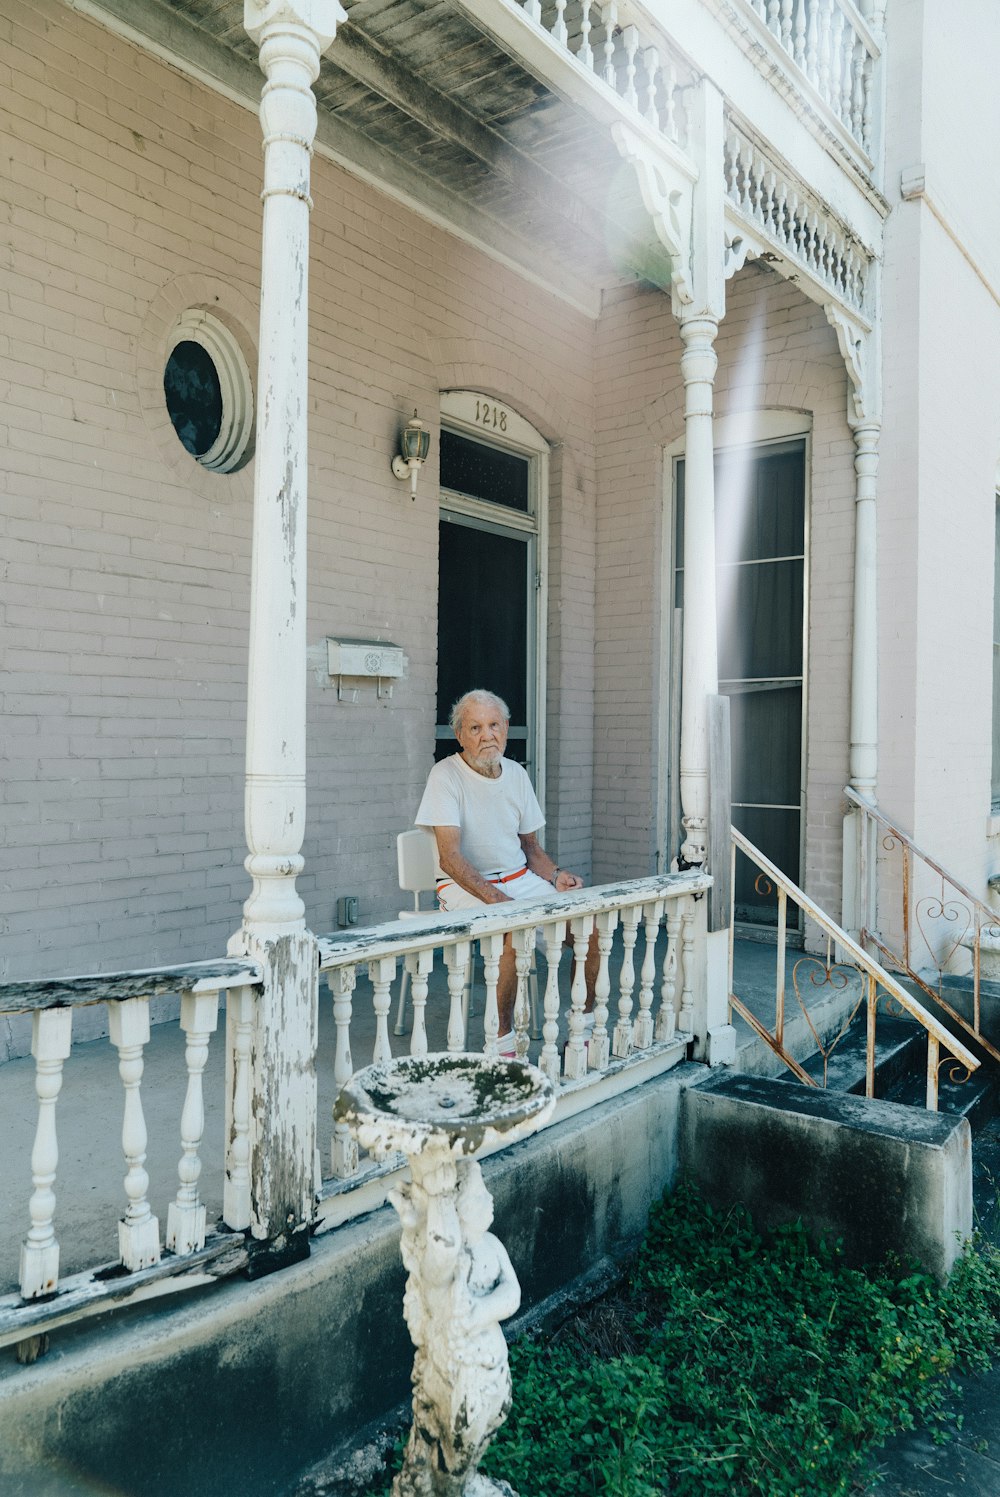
x: 372, y: 659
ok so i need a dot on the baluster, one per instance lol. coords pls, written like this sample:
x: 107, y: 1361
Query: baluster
x: 584, y: 53
x: 787, y: 7
x: 759, y: 167
x: 419, y: 964
x: 491, y: 948
x: 239, y: 1043
x: 559, y: 32
x: 823, y: 250
x: 622, y: 1042
x: 749, y: 182
x: 533, y: 8
x: 139, y: 1229
x: 575, y: 1056
x: 186, y: 1214
x: 609, y: 20
x: 651, y: 63
x: 685, y: 1020
x: 768, y: 199
x: 549, y: 1059
x: 343, y: 1145
x: 858, y: 90
x: 794, y: 227
x: 799, y: 40
x: 642, y: 1030
x: 630, y: 39
x: 382, y: 971
x: 780, y: 211
x: 457, y: 959
x: 523, y: 941
x: 732, y: 167
x: 51, y: 1039
x: 836, y: 58
x: 866, y: 117
x: 824, y: 7
x: 670, y: 98
x: 812, y: 42
x: 599, y: 1048
x: 812, y: 238
x: 666, y: 1019
x: 774, y: 18
x: 846, y: 71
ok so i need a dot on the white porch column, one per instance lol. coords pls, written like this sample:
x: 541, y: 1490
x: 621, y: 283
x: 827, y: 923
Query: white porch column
x: 292, y: 36
x: 700, y: 645
x: 859, y: 866
x: 699, y: 311
x: 864, y: 647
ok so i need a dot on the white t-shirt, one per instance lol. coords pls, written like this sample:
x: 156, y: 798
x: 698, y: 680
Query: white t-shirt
x: 490, y: 813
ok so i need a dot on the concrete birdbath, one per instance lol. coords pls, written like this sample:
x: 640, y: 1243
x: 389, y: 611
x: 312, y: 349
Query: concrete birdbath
x: 440, y: 1111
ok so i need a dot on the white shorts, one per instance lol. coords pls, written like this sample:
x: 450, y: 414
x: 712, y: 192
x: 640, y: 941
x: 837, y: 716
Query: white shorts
x: 528, y: 886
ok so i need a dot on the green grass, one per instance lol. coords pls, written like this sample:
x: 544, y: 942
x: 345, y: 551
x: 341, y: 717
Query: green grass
x: 729, y: 1363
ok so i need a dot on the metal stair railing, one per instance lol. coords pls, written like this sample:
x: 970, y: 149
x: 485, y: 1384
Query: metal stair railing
x: 940, y: 918
x: 876, y: 984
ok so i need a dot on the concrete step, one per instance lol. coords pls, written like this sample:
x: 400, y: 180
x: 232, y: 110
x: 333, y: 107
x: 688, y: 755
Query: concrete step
x: 901, y: 1071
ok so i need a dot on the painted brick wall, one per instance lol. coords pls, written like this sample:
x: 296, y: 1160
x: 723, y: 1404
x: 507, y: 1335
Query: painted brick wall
x: 776, y: 352
x: 129, y: 194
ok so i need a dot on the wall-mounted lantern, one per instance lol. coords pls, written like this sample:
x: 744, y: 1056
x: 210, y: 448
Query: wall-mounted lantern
x: 414, y: 445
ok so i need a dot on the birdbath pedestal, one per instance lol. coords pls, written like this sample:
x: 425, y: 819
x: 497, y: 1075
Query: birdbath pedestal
x: 441, y: 1111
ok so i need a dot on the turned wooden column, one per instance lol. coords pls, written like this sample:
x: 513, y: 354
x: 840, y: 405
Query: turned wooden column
x: 700, y: 649
x: 864, y: 645
x: 278, y: 1138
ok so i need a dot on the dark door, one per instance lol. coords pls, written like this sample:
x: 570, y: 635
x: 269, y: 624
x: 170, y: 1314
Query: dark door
x: 760, y: 582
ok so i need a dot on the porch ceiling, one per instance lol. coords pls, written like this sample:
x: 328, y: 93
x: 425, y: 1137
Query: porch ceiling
x: 414, y: 96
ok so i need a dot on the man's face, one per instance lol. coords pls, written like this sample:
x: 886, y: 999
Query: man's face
x: 482, y: 734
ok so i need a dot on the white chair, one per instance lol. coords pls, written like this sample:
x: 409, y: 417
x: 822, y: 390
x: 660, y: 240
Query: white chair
x: 416, y: 861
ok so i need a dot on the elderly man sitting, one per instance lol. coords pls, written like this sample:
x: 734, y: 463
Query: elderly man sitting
x: 486, y: 818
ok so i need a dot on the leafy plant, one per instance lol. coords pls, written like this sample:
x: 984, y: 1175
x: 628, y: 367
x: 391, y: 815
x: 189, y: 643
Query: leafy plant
x: 728, y: 1363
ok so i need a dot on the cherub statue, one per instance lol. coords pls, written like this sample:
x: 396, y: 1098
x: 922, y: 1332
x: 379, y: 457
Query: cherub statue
x: 461, y: 1285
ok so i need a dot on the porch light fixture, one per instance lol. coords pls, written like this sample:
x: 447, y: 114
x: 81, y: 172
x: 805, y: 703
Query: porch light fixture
x: 414, y: 444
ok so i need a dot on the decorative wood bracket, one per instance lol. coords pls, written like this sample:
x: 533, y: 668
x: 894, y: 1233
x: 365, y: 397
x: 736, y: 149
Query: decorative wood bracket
x: 739, y: 248
x: 667, y: 198
x: 858, y: 350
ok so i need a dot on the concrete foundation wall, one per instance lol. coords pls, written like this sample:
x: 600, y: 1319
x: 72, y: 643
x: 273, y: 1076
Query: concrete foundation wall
x: 879, y: 1177
x: 245, y: 1386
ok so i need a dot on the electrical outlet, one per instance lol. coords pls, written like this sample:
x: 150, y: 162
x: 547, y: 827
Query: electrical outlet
x: 347, y: 910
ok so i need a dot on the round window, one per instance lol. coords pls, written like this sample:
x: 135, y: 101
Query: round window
x: 206, y: 385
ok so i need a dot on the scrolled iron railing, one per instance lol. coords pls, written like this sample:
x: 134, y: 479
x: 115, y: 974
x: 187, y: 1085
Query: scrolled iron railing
x: 834, y: 969
x: 935, y: 917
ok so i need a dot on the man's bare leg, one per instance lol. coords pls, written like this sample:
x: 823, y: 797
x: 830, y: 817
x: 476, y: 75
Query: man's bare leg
x: 507, y: 987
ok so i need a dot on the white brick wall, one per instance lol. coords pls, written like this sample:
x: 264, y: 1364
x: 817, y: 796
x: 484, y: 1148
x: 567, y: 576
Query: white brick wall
x: 125, y: 566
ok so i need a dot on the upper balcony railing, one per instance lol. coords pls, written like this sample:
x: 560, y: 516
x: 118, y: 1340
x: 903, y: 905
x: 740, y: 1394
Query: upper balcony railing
x: 830, y: 42
x: 609, y: 39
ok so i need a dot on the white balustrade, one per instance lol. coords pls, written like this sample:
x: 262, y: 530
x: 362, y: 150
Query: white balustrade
x: 51, y: 1035
x: 831, y: 43
x: 621, y: 51
x: 786, y: 216
x: 186, y: 1215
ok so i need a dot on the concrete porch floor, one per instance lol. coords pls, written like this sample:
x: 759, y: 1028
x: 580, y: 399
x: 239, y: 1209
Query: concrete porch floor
x: 89, y: 1191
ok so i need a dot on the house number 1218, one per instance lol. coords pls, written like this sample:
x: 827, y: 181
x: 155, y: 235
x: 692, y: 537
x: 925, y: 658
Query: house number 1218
x: 490, y: 415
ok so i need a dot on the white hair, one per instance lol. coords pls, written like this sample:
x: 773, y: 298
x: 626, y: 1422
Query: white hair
x: 476, y: 695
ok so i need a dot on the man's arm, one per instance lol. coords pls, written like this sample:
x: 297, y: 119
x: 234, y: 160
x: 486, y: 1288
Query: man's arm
x: 460, y: 870
x: 539, y: 862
